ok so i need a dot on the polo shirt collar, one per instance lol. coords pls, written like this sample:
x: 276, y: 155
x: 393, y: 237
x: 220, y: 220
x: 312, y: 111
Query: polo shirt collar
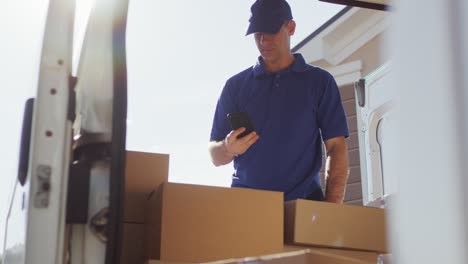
x: 298, y: 65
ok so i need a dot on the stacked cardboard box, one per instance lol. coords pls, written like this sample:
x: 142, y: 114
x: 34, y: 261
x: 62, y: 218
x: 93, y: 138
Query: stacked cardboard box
x: 311, y: 256
x: 201, y: 224
x: 144, y: 173
x: 182, y: 222
x: 335, y: 226
x: 185, y: 223
x: 299, y: 256
x: 194, y: 223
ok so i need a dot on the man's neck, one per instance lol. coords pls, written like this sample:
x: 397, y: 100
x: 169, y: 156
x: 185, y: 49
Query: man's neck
x: 280, y: 65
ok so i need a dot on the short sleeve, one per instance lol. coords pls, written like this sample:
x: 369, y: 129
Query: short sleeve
x: 331, y: 115
x: 226, y: 104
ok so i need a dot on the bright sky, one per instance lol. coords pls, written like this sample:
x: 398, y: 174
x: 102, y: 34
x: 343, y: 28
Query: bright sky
x: 180, y: 53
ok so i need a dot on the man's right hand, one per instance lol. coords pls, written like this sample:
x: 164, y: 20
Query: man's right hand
x: 223, y: 152
x: 238, y: 146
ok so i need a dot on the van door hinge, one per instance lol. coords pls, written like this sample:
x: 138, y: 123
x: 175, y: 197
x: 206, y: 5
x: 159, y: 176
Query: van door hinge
x: 84, y: 156
x: 72, y: 80
x: 360, y: 87
x: 42, y: 195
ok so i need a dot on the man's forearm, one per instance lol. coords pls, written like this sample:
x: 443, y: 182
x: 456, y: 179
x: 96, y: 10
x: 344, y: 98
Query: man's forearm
x: 336, y: 174
x: 336, y: 187
x: 219, y: 153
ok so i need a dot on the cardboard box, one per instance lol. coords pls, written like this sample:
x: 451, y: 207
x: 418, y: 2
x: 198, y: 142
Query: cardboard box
x: 133, y: 247
x: 337, y: 226
x: 362, y: 257
x: 300, y: 257
x: 330, y: 256
x: 195, y: 223
x: 152, y: 261
x: 303, y: 256
x: 144, y: 172
x: 295, y: 257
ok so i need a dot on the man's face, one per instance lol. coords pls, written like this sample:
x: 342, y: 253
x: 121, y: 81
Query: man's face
x: 275, y: 47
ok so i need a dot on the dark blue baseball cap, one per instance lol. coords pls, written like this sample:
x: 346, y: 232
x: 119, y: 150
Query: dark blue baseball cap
x: 268, y: 16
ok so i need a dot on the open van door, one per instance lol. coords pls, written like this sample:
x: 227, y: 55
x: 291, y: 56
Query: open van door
x: 376, y: 124
x: 67, y: 201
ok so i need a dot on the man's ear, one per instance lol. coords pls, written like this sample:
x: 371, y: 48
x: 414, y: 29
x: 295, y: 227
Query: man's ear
x: 292, y: 27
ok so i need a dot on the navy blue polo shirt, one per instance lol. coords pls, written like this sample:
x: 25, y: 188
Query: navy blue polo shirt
x: 292, y: 111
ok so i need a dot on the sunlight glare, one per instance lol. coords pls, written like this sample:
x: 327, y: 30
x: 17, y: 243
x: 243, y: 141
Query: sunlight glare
x: 82, y: 12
